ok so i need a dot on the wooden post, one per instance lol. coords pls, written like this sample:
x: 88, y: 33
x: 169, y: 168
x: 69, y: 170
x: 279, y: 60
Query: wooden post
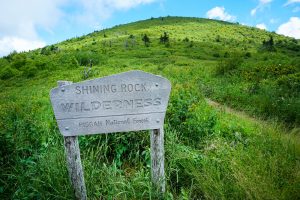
x: 157, y: 159
x: 74, y: 161
x: 102, y: 117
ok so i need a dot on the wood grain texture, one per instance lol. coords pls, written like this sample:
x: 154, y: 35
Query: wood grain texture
x: 74, y: 166
x: 157, y: 159
x: 73, y: 159
x: 129, y: 101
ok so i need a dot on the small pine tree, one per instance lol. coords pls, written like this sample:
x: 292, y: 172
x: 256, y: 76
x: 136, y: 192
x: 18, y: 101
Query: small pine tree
x: 146, y: 40
x: 269, y: 44
x: 164, y: 39
x: 186, y: 39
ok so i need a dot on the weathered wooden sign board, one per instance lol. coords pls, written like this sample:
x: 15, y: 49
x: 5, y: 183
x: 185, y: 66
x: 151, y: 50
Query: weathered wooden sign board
x: 129, y: 101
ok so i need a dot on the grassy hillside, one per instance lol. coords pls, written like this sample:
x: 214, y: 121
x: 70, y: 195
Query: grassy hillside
x: 210, y: 153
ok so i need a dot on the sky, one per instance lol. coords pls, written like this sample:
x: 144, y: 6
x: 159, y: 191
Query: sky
x: 30, y: 24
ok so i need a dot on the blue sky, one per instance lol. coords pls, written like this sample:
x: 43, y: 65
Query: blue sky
x: 29, y: 24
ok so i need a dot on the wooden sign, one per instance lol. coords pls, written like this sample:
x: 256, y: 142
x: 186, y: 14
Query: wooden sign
x: 129, y: 101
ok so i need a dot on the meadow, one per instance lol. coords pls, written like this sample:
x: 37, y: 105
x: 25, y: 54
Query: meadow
x: 210, y: 153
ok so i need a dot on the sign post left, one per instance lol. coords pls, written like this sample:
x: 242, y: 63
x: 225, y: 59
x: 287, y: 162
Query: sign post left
x: 73, y: 159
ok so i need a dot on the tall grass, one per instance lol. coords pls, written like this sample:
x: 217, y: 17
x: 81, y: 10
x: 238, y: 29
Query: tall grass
x: 210, y: 154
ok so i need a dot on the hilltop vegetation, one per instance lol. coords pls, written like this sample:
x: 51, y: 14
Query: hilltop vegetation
x: 210, y: 154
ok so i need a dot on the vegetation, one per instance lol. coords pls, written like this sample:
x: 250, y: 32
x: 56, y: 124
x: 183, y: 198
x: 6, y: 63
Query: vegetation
x: 146, y: 40
x: 210, y: 153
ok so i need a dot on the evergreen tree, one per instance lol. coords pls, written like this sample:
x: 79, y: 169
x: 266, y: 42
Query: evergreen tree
x: 146, y: 40
x: 269, y: 44
x: 164, y: 39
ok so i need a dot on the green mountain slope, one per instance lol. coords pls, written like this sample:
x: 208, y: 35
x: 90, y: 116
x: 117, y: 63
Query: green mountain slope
x: 209, y: 153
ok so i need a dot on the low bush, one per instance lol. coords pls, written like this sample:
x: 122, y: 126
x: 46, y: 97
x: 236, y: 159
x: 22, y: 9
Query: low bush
x: 18, y: 60
x: 290, y: 83
x: 227, y: 65
x: 86, y: 58
x: 8, y: 72
x: 200, y: 122
x: 29, y: 70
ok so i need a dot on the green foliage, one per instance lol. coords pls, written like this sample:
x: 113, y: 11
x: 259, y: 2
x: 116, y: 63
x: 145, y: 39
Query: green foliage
x: 146, y: 40
x: 200, y: 122
x: 164, y: 39
x: 7, y: 72
x: 186, y: 39
x: 227, y: 65
x: 211, y: 152
x: 3, y: 63
x: 47, y: 50
x: 29, y: 70
x: 248, y: 55
x: 18, y: 61
x: 269, y: 44
x: 85, y: 58
x: 218, y: 39
x: 69, y: 61
x: 179, y: 107
x: 290, y: 83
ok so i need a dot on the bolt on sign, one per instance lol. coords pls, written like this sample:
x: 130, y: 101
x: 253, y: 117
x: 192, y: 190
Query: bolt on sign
x: 129, y: 101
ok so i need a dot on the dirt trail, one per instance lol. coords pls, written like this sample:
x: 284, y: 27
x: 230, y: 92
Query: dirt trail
x: 230, y: 110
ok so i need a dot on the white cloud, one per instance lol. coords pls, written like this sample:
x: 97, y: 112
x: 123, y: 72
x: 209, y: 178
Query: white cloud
x: 265, y: 1
x: 290, y: 28
x: 261, y: 26
x: 22, y: 21
x: 94, y: 12
x: 219, y: 13
x: 253, y: 11
x: 291, y: 2
x: 260, y: 6
x: 23, y: 18
x: 127, y: 4
x: 9, y: 44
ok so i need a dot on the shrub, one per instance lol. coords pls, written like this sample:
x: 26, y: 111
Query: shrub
x: 181, y: 105
x: 273, y: 71
x: 41, y: 62
x: 248, y: 55
x: 7, y: 72
x: 164, y: 39
x: 29, y: 70
x: 146, y: 40
x: 186, y: 39
x: 86, y: 57
x: 290, y: 82
x: 18, y: 61
x: 226, y: 54
x: 227, y: 65
x: 47, y: 50
x: 269, y: 44
x: 216, y: 55
x: 69, y: 61
x: 201, y: 119
x: 3, y: 63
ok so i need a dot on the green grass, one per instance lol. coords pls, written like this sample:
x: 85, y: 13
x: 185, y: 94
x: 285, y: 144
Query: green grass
x: 210, y: 153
